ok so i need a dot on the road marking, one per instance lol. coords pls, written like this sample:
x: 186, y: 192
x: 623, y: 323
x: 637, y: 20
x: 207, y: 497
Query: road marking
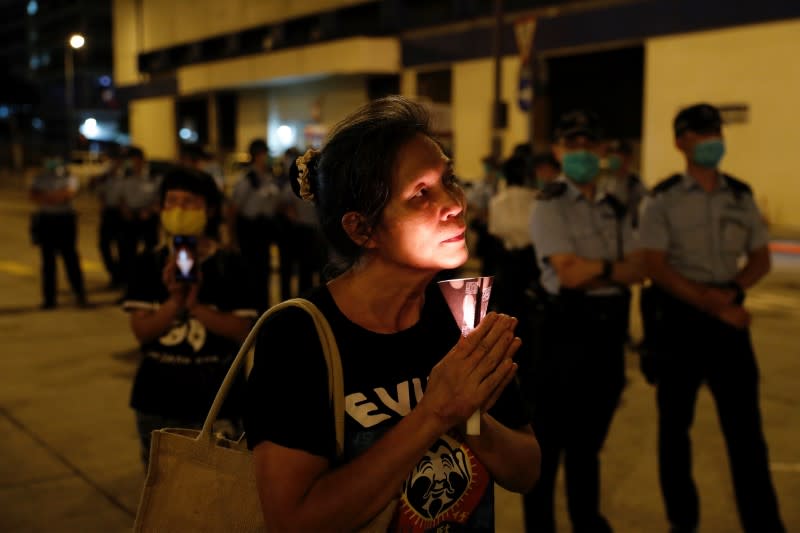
x: 20, y: 269
x: 16, y: 269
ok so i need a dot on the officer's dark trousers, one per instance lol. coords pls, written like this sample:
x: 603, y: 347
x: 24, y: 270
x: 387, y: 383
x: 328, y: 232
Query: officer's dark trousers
x: 58, y: 236
x: 310, y: 255
x: 697, y: 349
x: 255, y: 237
x: 134, y: 232
x: 576, y: 382
x: 108, y: 238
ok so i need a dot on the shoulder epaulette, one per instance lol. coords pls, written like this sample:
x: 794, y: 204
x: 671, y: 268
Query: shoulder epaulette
x: 552, y: 190
x: 667, y: 184
x: 738, y: 186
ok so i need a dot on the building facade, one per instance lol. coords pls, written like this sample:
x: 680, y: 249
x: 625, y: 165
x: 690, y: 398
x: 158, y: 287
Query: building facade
x: 224, y: 73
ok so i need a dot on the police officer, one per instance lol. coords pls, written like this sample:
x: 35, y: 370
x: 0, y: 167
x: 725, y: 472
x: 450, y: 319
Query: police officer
x: 622, y: 181
x: 107, y: 186
x: 487, y: 247
x: 694, y: 229
x: 254, y: 205
x: 54, y: 228
x: 584, y: 243
x: 508, y: 217
x: 546, y: 169
x: 139, y: 206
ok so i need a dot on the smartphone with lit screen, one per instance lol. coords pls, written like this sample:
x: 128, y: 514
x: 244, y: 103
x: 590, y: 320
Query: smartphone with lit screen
x: 185, y: 256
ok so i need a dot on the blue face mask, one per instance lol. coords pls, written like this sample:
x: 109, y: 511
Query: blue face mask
x: 614, y: 162
x: 708, y: 153
x: 581, y: 167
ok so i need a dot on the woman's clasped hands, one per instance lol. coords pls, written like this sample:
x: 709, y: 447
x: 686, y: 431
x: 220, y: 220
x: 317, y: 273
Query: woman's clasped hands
x: 474, y: 373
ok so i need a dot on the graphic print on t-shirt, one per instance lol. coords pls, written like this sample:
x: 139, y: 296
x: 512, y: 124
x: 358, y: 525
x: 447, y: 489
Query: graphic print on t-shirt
x: 192, y: 331
x: 446, y: 486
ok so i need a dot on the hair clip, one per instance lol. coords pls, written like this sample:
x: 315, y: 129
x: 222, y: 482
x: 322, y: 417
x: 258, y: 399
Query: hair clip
x: 302, y: 178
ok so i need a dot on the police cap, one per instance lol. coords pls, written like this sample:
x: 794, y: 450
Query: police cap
x: 699, y: 118
x: 620, y: 146
x: 257, y: 146
x: 578, y: 122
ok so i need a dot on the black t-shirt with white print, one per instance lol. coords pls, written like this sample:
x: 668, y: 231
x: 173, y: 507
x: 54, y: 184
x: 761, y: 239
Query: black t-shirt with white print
x: 182, y: 371
x: 384, y: 378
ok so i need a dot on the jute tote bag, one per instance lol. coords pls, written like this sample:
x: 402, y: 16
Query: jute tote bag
x: 201, y: 483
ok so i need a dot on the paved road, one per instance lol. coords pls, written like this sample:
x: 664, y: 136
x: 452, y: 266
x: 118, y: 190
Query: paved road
x: 69, y: 449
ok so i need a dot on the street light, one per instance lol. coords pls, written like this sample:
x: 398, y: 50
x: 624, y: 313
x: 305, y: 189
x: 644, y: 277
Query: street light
x: 76, y: 41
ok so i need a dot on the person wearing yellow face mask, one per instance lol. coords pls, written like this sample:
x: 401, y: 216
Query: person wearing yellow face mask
x: 189, y: 332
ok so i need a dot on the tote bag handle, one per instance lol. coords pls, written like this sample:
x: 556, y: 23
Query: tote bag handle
x: 332, y: 361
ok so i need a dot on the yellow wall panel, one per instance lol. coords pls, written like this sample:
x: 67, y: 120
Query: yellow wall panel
x: 473, y: 94
x: 251, y: 119
x: 152, y: 123
x: 348, y: 56
x: 168, y: 23
x: 124, y: 39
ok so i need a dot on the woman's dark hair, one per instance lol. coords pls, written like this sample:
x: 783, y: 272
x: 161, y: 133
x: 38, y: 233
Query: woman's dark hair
x: 353, y: 172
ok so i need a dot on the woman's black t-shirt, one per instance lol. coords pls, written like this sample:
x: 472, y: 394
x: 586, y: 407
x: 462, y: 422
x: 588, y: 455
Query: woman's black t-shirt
x: 182, y: 370
x: 384, y: 378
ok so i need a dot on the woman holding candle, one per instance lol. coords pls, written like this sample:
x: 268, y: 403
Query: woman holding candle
x: 390, y: 208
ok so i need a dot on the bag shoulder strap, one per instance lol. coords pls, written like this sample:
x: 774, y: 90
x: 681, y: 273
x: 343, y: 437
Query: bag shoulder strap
x: 332, y: 361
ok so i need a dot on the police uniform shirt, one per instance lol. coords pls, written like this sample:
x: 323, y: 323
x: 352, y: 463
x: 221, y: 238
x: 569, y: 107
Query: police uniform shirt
x: 255, y: 202
x: 564, y: 221
x: 305, y: 211
x: 479, y: 194
x: 53, y: 181
x: 140, y: 192
x: 629, y: 190
x: 509, y: 213
x: 704, y: 234
x: 110, y: 190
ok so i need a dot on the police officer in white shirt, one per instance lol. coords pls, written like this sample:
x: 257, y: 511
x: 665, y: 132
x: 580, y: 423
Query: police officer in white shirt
x: 509, y: 214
